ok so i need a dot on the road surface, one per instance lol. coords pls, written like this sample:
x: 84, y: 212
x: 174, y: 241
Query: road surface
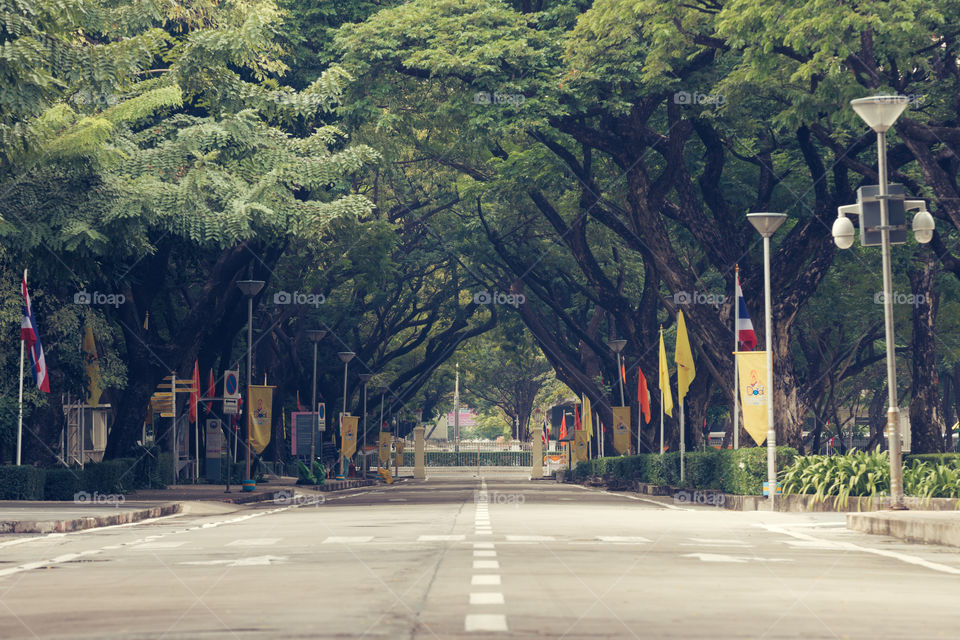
x: 465, y: 557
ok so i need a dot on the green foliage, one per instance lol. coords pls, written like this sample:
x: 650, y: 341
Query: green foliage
x: 315, y: 475
x: 62, y: 483
x: 933, y: 479
x: 859, y: 473
x: 21, y: 482
x: 108, y: 477
x: 740, y: 472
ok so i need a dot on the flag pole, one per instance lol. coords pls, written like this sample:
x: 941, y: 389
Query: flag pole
x: 683, y: 444
x: 20, y: 422
x: 736, y: 371
x: 661, y: 403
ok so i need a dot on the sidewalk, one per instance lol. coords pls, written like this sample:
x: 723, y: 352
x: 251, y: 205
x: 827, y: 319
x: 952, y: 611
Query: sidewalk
x: 32, y: 516
x: 927, y: 527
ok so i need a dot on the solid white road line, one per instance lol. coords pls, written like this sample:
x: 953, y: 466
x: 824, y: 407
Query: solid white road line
x: 630, y: 539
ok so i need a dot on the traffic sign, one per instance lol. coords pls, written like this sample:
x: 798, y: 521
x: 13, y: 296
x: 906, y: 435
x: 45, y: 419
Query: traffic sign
x: 231, y: 384
x: 322, y: 416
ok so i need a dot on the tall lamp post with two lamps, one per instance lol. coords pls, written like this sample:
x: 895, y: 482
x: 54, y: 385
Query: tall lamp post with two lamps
x: 365, y: 379
x: 346, y: 357
x: 315, y: 336
x: 883, y: 221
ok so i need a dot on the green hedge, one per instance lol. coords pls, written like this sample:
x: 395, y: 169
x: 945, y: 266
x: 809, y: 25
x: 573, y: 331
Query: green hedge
x: 741, y: 471
x: 950, y: 459
x: 62, y: 483
x: 21, y: 483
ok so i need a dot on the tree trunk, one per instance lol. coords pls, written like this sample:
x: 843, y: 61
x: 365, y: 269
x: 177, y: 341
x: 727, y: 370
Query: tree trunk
x: 926, y: 422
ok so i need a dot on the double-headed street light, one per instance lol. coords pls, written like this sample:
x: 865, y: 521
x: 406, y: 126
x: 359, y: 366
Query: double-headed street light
x: 882, y: 212
x: 249, y: 288
x: 767, y: 224
x: 365, y: 379
x: 315, y: 336
x: 346, y: 357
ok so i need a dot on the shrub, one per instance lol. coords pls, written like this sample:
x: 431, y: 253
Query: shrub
x: 62, y: 484
x: 108, y: 476
x: 859, y: 473
x: 949, y: 459
x: 165, y: 469
x: 702, y: 469
x: 21, y: 482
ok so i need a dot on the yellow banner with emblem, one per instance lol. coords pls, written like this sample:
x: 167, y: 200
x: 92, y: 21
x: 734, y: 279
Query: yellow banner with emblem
x: 348, y: 435
x: 383, y: 454
x: 400, y: 446
x: 260, y: 416
x: 580, y: 445
x: 754, y: 394
x: 621, y: 429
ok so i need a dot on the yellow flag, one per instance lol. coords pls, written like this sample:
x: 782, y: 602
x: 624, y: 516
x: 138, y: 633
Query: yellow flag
x: 587, y: 416
x: 260, y: 418
x: 683, y: 357
x: 621, y: 429
x: 92, y: 367
x: 753, y: 392
x: 665, y: 379
x: 348, y: 435
x: 400, y: 447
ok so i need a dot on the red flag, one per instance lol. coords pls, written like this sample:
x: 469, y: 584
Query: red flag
x: 211, y: 390
x: 577, y: 425
x: 623, y: 372
x: 31, y: 340
x: 195, y: 394
x: 643, y: 395
x: 299, y: 406
x: 563, y: 426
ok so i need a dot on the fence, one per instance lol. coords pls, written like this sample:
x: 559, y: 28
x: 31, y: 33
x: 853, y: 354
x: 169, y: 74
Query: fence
x: 482, y: 453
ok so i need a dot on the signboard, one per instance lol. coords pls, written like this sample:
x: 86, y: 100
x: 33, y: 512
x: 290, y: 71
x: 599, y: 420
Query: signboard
x: 322, y: 415
x: 231, y: 391
x: 214, y: 438
x: 300, y: 433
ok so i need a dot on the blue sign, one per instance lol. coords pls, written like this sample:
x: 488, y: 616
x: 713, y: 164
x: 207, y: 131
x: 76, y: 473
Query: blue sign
x: 230, y: 384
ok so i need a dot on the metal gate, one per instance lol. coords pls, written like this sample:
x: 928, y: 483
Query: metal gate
x: 477, y: 453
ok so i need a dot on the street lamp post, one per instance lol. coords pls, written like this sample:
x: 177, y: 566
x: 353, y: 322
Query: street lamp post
x: 315, y: 336
x: 249, y: 288
x: 617, y: 346
x: 365, y: 379
x: 767, y: 224
x: 346, y: 356
x: 879, y: 113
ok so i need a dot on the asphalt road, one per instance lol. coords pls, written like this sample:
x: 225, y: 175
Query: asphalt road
x: 459, y: 557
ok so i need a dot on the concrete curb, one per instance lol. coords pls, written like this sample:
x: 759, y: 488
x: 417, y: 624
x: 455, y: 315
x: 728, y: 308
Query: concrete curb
x: 924, y: 527
x: 92, y: 522
x: 785, y: 504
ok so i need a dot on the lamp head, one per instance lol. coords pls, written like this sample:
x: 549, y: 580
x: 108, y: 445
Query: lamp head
x: 365, y: 377
x: 843, y: 232
x: 880, y: 112
x: 617, y: 345
x: 250, y: 288
x: 315, y: 335
x: 923, y: 226
x: 346, y: 356
x: 766, y: 223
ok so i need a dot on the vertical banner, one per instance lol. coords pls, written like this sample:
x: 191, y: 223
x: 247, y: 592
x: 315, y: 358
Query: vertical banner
x: 400, y: 447
x: 621, y: 429
x: 383, y: 453
x: 260, y: 416
x: 754, y: 394
x: 348, y: 435
x: 581, y: 438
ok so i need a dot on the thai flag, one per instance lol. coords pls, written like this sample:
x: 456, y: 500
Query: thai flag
x: 745, y: 333
x: 545, y: 434
x: 31, y: 338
